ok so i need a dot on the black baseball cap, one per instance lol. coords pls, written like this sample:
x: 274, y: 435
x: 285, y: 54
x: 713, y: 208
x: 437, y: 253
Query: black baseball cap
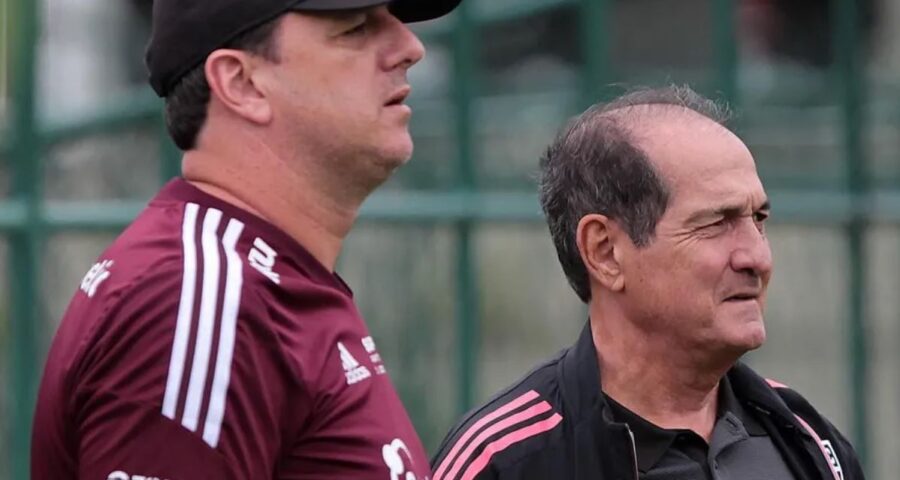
x: 185, y: 32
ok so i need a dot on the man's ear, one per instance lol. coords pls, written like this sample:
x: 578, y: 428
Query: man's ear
x: 230, y: 77
x: 596, y: 237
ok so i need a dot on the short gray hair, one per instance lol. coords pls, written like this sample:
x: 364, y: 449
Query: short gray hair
x: 595, y: 166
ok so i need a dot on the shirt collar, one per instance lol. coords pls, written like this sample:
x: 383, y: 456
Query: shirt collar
x: 583, y: 398
x: 650, y: 442
x: 728, y: 402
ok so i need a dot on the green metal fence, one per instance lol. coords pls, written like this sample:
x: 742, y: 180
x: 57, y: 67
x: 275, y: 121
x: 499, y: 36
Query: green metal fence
x: 26, y: 219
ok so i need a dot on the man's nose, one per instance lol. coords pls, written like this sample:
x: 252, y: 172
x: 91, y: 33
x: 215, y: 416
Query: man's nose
x: 752, y: 253
x: 406, y: 49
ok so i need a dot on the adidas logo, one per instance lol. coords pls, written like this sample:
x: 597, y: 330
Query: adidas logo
x: 352, y: 368
x: 374, y: 356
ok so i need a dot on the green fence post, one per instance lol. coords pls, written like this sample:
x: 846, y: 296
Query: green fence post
x: 467, y: 296
x: 849, y: 75
x: 5, y: 26
x: 595, y: 35
x: 24, y: 242
x: 726, y: 50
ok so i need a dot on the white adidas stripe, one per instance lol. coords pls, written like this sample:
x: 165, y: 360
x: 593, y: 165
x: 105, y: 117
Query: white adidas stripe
x: 232, y: 301
x: 208, y: 301
x: 206, y: 322
x: 185, y: 312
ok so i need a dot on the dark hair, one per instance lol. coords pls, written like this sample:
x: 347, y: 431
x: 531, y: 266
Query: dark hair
x: 595, y: 166
x: 187, y: 103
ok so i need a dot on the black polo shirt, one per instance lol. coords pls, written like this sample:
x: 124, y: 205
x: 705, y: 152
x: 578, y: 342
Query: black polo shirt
x: 739, y: 449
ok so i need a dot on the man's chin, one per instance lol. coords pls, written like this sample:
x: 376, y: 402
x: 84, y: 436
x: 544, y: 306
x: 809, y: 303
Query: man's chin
x: 753, y: 338
x: 385, y: 162
x: 396, y: 154
x: 740, y: 339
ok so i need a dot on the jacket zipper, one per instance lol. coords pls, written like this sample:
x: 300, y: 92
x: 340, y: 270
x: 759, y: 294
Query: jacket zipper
x: 634, y: 460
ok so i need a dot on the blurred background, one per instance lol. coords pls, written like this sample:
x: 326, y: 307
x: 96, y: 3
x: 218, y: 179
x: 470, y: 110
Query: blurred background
x: 451, y: 263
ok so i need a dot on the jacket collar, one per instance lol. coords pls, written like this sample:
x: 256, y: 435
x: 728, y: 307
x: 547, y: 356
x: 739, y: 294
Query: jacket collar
x: 581, y: 376
x: 601, y: 443
x: 754, y: 391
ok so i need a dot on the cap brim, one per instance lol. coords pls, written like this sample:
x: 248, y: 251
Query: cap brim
x: 405, y: 10
x: 420, y: 10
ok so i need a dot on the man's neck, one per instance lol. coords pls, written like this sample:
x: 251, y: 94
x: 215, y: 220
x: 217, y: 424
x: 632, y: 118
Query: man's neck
x: 660, y: 386
x: 262, y: 184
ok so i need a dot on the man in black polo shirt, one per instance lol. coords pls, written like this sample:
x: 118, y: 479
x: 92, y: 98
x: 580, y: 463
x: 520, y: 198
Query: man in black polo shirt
x: 659, y: 220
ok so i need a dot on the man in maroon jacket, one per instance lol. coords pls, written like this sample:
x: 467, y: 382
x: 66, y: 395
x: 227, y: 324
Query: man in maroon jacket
x: 212, y: 339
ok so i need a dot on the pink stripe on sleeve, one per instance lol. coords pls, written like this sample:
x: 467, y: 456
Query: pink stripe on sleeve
x: 837, y: 475
x: 514, y: 437
x: 518, y: 402
x: 507, y: 422
x: 774, y: 384
x: 821, y: 444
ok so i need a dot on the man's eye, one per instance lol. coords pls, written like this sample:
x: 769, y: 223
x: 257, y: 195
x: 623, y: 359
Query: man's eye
x: 760, y: 217
x: 718, y: 223
x: 359, y: 29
